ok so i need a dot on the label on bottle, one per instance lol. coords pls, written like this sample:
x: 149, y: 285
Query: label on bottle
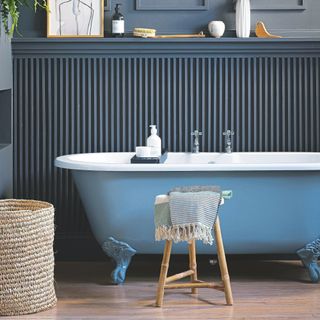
x: 118, y: 26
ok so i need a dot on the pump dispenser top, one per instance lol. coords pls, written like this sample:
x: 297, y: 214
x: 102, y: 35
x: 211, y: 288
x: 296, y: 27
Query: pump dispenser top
x: 153, y: 129
x: 154, y: 142
x: 117, y: 7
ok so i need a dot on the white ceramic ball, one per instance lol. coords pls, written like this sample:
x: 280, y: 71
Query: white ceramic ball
x: 216, y: 28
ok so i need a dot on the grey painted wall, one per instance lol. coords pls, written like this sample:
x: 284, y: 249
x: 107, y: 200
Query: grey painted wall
x: 295, y: 18
x: 5, y: 62
x: 5, y: 115
x: 5, y: 171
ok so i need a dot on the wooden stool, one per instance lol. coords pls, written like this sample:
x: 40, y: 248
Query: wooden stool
x: 166, y: 282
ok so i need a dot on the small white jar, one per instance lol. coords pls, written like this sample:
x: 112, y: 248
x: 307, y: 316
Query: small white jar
x: 143, y: 152
x: 216, y: 28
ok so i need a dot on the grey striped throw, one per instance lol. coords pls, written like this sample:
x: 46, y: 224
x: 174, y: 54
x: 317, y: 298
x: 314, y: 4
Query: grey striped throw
x: 193, y: 212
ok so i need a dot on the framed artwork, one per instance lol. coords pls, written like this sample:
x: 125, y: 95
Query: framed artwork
x: 75, y: 18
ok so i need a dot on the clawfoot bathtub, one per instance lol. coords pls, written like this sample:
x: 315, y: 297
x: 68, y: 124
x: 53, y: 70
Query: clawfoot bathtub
x: 275, y: 208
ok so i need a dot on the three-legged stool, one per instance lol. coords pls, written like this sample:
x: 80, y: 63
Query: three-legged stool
x: 166, y: 282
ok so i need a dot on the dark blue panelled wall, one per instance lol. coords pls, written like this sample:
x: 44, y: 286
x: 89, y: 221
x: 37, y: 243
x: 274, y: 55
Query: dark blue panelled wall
x: 93, y: 95
x: 102, y: 97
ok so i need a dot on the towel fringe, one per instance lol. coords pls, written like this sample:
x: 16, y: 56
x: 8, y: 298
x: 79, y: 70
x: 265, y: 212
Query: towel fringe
x: 185, y: 232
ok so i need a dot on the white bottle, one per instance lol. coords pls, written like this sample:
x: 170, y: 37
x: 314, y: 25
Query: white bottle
x: 154, y: 142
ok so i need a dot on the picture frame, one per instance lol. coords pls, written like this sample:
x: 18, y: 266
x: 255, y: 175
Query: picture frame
x: 75, y: 18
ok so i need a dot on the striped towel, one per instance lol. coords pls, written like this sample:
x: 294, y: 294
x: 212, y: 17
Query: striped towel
x: 193, y: 212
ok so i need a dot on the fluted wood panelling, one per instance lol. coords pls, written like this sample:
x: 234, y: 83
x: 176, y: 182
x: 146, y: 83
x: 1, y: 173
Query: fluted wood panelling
x: 95, y: 104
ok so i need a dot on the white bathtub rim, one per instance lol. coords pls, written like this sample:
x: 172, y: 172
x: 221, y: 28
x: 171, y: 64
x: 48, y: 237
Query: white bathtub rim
x: 66, y: 162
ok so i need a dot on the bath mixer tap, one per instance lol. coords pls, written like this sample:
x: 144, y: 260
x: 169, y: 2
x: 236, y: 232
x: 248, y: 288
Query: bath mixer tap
x: 196, y: 134
x: 228, y: 134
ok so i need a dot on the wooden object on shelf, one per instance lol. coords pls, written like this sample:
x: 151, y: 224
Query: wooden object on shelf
x: 151, y: 33
x: 144, y: 32
x: 262, y: 32
x: 165, y: 36
x: 164, y: 281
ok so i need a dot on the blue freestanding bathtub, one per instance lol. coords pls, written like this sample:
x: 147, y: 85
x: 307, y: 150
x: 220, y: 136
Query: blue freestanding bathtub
x: 275, y: 207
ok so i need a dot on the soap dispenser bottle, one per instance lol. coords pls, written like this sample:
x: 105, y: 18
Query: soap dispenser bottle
x: 154, y: 142
x: 117, y: 22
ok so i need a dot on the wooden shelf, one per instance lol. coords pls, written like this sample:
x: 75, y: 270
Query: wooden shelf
x: 182, y: 47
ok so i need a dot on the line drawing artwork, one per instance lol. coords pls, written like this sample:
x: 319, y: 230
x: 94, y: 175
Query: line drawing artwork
x: 74, y: 17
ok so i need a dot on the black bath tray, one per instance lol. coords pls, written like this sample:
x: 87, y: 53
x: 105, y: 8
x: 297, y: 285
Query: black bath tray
x: 160, y: 159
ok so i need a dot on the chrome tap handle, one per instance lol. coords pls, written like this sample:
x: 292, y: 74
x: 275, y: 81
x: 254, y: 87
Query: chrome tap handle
x: 196, y: 134
x: 228, y: 134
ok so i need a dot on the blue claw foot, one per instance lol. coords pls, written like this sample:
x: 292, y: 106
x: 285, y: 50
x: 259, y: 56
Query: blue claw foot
x: 121, y: 253
x: 309, y: 260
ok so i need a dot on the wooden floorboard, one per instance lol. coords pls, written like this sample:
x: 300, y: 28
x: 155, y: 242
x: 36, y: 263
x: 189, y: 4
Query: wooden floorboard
x: 262, y: 290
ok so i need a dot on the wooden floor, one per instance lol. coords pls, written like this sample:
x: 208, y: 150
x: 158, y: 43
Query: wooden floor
x: 262, y: 290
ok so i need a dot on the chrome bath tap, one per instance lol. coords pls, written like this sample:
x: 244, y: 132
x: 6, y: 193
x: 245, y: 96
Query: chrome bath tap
x: 228, y: 134
x: 196, y: 134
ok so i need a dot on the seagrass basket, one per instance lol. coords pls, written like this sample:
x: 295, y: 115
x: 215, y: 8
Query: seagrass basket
x: 26, y: 257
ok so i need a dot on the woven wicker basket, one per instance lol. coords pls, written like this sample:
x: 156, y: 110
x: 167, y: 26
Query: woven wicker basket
x: 26, y: 257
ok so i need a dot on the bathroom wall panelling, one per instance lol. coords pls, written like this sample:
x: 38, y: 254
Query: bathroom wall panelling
x: 294, y: 18
x: 286, y: 5
x: 172, y: 5
x: 105, y: 102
